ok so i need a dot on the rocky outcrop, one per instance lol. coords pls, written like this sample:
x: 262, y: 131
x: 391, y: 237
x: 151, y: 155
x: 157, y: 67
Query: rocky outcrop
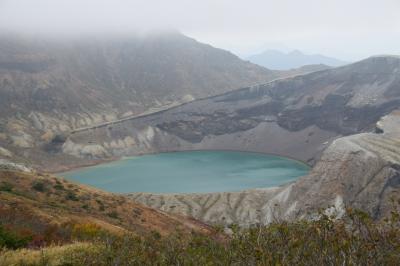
x: 360, y: 171
x: 6, y: 165
x: 5, y: 153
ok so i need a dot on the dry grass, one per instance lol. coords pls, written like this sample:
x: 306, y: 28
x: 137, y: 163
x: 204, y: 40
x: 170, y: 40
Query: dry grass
x: 357, y: 240
x: 39, y: 201
x: 53, y: 255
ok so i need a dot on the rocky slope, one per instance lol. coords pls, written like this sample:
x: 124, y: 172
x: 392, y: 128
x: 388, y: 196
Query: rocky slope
x: 52, y: 86
x: 295, y: 117
x: 360, y: 171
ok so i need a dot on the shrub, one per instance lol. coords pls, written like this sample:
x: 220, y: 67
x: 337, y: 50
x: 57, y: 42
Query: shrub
x: 113, y: 214
x: 72, y: 254
x: 355, y: 240
x: 59, y: 186
x: 12, y: 240
x: 71, y: 196
x: 39, y: 186
x: 5, y: 186
x: 101, y: 205
x: 86, y: 231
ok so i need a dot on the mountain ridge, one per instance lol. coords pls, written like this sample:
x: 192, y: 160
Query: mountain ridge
x: 275, y: 59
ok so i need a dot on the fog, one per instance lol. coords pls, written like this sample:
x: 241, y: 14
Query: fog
x: 347, y: 29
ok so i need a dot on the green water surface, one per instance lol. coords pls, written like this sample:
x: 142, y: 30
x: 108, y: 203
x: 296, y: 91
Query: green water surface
x: 191, y: 171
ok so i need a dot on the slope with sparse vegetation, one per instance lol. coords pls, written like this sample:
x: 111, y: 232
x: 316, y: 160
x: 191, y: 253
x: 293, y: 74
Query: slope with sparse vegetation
x: 39, y: 210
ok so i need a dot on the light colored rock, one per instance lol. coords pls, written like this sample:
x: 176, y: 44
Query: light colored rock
x: 23, y: 140
x: 6, y: 153
x: 47, y: 136
x: 129, y: 141
x: 95, y: 151
x: 188, y: 98
x: 79, y: 150
x: 11, y: 166
x: 3, y: 136
x: 36, y: 120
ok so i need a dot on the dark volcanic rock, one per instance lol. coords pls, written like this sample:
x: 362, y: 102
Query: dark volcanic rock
x: 345, y: 100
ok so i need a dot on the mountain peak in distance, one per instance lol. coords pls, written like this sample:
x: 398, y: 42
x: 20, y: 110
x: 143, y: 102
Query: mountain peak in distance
x: 274, y: 59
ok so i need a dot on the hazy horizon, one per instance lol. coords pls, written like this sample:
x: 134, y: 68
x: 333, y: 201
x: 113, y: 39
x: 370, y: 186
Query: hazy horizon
x: 347, y: 30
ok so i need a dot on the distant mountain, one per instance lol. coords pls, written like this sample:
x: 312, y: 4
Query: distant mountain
x: 116, y: 74
x: 278, y: 60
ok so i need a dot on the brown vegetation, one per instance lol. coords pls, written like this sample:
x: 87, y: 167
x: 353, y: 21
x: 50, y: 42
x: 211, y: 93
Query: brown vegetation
x: 49, y: 221
x: 51, y: 210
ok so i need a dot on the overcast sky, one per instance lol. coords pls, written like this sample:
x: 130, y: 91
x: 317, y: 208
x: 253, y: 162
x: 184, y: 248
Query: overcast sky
x: 347, y: 29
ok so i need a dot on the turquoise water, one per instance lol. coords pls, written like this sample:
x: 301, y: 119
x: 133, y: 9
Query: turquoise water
x: 189, y: 172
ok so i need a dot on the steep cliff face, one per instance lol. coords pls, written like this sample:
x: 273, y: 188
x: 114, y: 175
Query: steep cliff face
x: 360, y: 171
x: 295, y: 117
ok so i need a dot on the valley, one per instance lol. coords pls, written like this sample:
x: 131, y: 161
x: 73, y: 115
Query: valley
x: 243, y: 133
x: 302, y: 117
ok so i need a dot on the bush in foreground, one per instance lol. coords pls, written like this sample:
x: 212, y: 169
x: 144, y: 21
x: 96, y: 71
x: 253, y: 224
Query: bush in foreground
x: 13, y: 240
x: 356, y: 240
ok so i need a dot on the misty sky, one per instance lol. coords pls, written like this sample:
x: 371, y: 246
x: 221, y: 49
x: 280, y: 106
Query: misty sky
x: 347, y: 29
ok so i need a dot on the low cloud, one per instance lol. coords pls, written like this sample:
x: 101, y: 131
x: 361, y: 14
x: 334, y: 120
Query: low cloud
x: 341, y: 27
